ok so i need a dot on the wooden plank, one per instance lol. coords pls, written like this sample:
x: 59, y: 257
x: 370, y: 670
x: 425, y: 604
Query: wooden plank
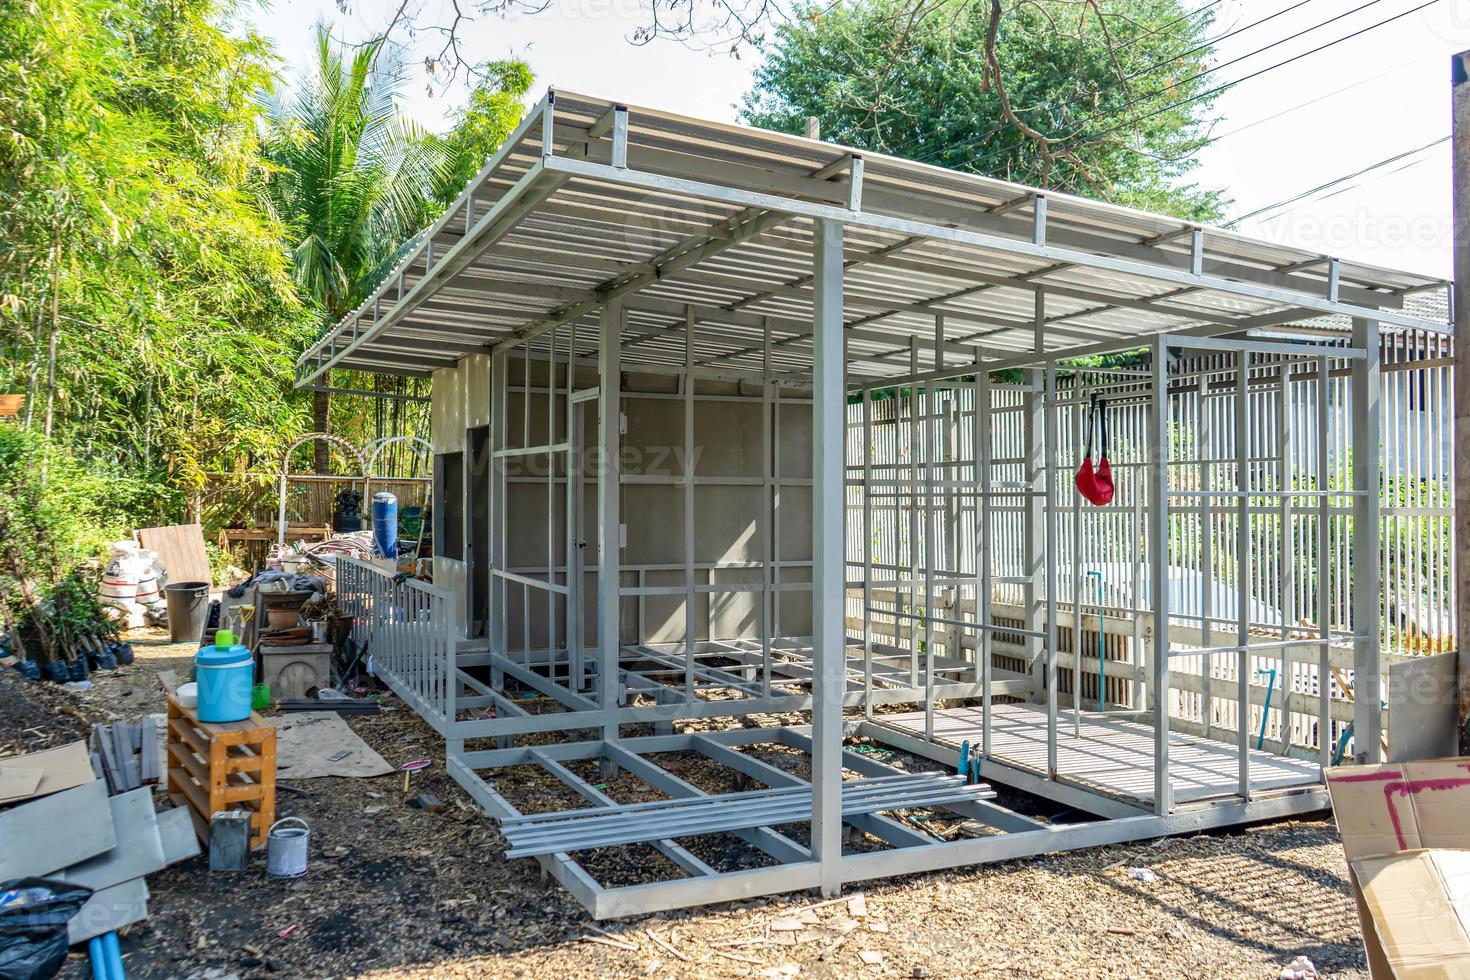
x: 55, y: 831
x: 122, y: 747
x: 180, y: 550
x: 148, y: 749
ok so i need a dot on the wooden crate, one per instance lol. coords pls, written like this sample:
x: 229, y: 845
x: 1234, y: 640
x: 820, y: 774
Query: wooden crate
x: 214, y: 767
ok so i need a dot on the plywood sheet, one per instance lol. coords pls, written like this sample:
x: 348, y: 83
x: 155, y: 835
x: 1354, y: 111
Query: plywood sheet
x: 45, y: 772
x: 109, y: 910
x: 139, y: 849
x: 306, y: 742
x: 1423, y: 709
x: 180, y: 550
x: 56, y: 831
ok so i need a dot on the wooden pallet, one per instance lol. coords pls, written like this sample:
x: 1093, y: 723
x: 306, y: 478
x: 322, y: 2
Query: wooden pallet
x: 214, y: 767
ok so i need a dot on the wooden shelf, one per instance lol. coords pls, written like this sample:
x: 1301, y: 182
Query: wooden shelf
x: 222, y: 766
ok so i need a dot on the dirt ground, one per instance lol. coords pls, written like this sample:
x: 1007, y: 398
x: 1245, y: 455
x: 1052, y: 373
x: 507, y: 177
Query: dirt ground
x: 396, y: 893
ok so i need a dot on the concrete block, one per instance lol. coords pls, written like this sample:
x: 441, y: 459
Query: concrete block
x: 291, y: 671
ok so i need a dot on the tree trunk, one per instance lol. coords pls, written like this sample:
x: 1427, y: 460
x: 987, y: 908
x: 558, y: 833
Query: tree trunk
x: 319, y: 419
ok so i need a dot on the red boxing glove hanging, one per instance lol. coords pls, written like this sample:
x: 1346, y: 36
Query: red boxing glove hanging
x: 1096, y: 486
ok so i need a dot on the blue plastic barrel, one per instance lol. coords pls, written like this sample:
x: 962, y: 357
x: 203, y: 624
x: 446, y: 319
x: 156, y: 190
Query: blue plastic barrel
x: 224, y: 673
x: 385, y: 524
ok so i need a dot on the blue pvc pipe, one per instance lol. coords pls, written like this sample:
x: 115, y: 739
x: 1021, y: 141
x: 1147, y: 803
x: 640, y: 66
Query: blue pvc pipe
x: 1271, y: 686
x: 113, y: 949
x: 98, y: 952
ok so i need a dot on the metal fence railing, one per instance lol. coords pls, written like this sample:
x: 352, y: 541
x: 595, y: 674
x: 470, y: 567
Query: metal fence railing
x: 408, y: 629
x: 1300, y: 561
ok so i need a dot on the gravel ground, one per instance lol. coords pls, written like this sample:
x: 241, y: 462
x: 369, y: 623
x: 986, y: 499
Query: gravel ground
x: 398, y: 893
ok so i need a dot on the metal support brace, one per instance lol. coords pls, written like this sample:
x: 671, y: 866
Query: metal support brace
x: 1158, y: 551
x: 1367, y: 696
x: 829, y: 655
x: 609, y: 553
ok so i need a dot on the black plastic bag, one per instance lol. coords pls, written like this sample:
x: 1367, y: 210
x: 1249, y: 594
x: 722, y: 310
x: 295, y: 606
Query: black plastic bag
x: 33, y: 939
x: 77, y: 668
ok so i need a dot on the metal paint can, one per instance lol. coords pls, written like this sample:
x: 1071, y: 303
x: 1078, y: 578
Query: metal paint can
x: 287, y: 845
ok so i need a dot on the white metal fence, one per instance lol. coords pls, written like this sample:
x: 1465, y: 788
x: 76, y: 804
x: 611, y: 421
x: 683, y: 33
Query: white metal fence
x: 1300, y: 567
x: 409, y: 629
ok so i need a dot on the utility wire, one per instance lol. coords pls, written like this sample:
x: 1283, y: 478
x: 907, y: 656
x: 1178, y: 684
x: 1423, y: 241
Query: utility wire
x: 1227, y: 85
x: 1335, y: 182
x: 1311, y: 102
x: 1232, y: 84
x: 1200, y: 45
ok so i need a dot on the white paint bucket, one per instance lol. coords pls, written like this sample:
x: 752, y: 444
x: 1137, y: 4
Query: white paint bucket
x: 286, y: 848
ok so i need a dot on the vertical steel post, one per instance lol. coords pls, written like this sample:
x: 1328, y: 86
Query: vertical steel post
x: 1367, y: 682
x: 1049, y: 481
x: 609, y: 514
x: 1206, y: 454
x: 1286, y: 588
x: 1460, y: 195
x: 1243, y: 572
x: 1077, y: 437
x: 829, y: 653
x: 1324, y: 567
x: 931, y: 530
x: 913, y: 502
x: 1158, y: 549
x: 767, y: 504
x: 573, y: 506
x: 688, y: 474
x: 982, y: 534
x: 867, y: 491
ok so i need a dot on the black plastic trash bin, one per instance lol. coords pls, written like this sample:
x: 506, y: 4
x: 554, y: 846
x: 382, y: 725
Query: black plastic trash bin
x: 188, y: 610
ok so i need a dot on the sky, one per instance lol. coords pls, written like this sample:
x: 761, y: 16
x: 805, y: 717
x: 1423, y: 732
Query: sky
x: 1324, y: 116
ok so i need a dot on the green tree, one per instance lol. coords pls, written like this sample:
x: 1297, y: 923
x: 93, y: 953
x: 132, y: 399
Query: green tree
x: 146, y: 307
x: 351, y: 175
x: 494, y: 109
x: 1052, y: 93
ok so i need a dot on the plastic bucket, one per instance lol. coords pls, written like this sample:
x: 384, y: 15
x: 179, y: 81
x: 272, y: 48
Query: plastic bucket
x: 287, y: 845
x: 224, y: 679
x: 188, y: 610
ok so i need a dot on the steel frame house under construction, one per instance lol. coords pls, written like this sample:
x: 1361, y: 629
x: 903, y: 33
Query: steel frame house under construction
x: 730, y: 425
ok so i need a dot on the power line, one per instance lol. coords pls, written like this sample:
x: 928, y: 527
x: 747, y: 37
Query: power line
x: 1255, y: 74
x: 1337, y: 181
x: 1311, y: 102
x: 1228, y: 85
x: 1114, y: 82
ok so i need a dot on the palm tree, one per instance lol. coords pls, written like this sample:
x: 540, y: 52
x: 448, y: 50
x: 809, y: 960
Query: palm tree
x: 350, y: 180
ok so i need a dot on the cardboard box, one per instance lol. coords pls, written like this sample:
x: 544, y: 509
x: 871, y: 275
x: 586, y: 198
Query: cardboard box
x: 1405, y: 831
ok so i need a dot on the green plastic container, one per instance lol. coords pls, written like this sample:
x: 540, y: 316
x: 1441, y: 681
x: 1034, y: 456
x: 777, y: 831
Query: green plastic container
x: 260, y: 697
